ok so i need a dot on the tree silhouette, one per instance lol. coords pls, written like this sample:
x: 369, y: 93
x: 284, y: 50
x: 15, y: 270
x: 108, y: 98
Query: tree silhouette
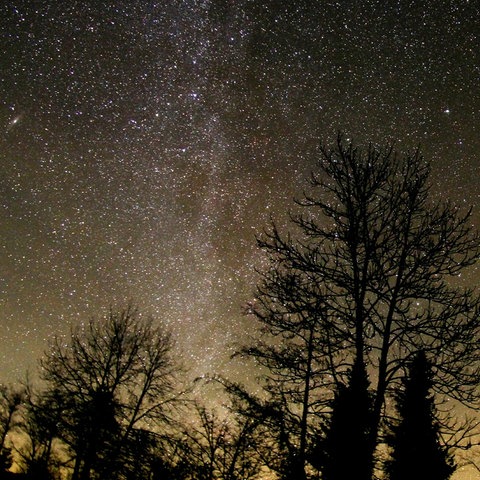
x: 115, y: 378
x: 368, y: 276
x: 415, y: 437
x: 11, y: 400
x: 296, y: 346
x: 342, y: 451
x: 39, y: 428
x: 214, y: 448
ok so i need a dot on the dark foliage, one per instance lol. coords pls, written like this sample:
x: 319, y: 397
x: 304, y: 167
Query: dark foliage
x: 417, y: 452
x: 6, y: 459
x: 343, y: 451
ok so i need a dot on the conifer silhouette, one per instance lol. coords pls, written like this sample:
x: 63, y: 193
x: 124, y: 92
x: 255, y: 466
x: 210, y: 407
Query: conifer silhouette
x: 415, y: 438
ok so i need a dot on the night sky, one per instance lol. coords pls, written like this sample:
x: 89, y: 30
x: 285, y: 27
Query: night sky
x: 144, y: 145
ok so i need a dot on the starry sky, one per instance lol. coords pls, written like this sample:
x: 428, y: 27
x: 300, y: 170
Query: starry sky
x: 144, y: 144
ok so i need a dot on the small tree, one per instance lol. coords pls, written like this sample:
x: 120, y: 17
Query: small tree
x: 417, y: 452
x: 342, y: 451
x: 220, y: 449
x: 116, y: 377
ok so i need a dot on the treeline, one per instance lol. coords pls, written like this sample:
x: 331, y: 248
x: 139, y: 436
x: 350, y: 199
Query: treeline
x: 367, y: 344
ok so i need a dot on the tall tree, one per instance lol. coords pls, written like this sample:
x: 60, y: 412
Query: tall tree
x: 368, y: 275
x: 115, y: 378
x: 417, y: 452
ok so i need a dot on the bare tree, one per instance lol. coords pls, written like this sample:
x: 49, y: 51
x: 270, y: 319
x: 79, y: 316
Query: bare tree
x: 115, y: 378
x: 297, y: 348
x: 373, y: 268
x: 213, y: 448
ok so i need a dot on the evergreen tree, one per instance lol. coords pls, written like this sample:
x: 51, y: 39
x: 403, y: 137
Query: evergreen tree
x: 342, y: 451
x: 415, y: 438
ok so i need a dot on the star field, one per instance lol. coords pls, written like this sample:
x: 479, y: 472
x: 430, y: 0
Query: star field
x: 144, y: 144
